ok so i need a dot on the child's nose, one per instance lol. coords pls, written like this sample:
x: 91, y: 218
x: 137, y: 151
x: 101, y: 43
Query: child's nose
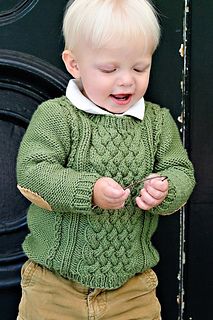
x: 126, y: 79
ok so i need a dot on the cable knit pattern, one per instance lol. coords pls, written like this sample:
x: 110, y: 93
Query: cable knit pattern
x: 62, y: 154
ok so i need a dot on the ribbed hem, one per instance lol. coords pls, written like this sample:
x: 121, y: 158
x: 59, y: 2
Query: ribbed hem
x: 106, y: 282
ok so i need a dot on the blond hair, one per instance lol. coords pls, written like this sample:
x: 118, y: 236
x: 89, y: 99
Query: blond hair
x: 100, y: 21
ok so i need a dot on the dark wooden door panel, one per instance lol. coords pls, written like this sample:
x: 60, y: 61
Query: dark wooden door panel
x: 198, y: 281
x: 30, y: 47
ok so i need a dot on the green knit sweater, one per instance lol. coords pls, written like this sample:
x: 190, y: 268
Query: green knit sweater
x: 62, y: 154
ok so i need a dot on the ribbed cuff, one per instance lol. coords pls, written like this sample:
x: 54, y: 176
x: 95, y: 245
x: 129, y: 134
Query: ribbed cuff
x: 84, y: 186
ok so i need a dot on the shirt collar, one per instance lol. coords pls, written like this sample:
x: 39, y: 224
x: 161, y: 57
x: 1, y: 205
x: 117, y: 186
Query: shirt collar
x: 81, y: 102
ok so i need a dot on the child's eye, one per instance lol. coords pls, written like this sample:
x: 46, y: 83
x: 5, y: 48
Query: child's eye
x: 142, y: 69
x: 108, y: 70
x: 138, y: 70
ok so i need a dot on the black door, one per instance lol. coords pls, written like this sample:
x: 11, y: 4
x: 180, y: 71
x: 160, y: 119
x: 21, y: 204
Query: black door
x: 31, y: 71
x: 199, y: 224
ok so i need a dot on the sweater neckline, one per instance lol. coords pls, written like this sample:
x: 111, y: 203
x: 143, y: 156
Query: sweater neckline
x: 108, y: 121
x: 112, y: 121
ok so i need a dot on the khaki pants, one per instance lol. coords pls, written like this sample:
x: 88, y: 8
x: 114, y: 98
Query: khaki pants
x: 47, y: 296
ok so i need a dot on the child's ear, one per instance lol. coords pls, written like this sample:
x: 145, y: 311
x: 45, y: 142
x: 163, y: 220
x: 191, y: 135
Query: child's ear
x: 71, y: 63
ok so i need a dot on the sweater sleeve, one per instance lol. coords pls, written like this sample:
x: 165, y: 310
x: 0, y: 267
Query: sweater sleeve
x: 42, y: 174
x: 172, y: 161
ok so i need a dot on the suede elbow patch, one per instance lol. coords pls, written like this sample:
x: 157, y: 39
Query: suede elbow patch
x: 34, y: 198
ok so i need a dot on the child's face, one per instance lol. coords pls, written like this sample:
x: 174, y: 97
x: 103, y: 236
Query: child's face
x: 115, y: 77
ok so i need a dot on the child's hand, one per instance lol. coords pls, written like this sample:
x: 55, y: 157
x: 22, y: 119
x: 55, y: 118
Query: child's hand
x: 153, y: 193
x: 108, y: 194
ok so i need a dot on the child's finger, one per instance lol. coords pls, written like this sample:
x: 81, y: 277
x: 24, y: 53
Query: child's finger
x: 116, y: 198
x: 155, y: 193
x: 141, y: 204
x: 114, y: 192
x: 157, y: 184
x: 148, y: 198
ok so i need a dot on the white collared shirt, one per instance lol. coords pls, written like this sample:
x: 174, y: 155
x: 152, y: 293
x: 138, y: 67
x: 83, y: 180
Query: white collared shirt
x: 81, y: 102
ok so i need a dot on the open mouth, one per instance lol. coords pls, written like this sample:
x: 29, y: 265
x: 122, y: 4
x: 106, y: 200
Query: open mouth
x: 121, y: 98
